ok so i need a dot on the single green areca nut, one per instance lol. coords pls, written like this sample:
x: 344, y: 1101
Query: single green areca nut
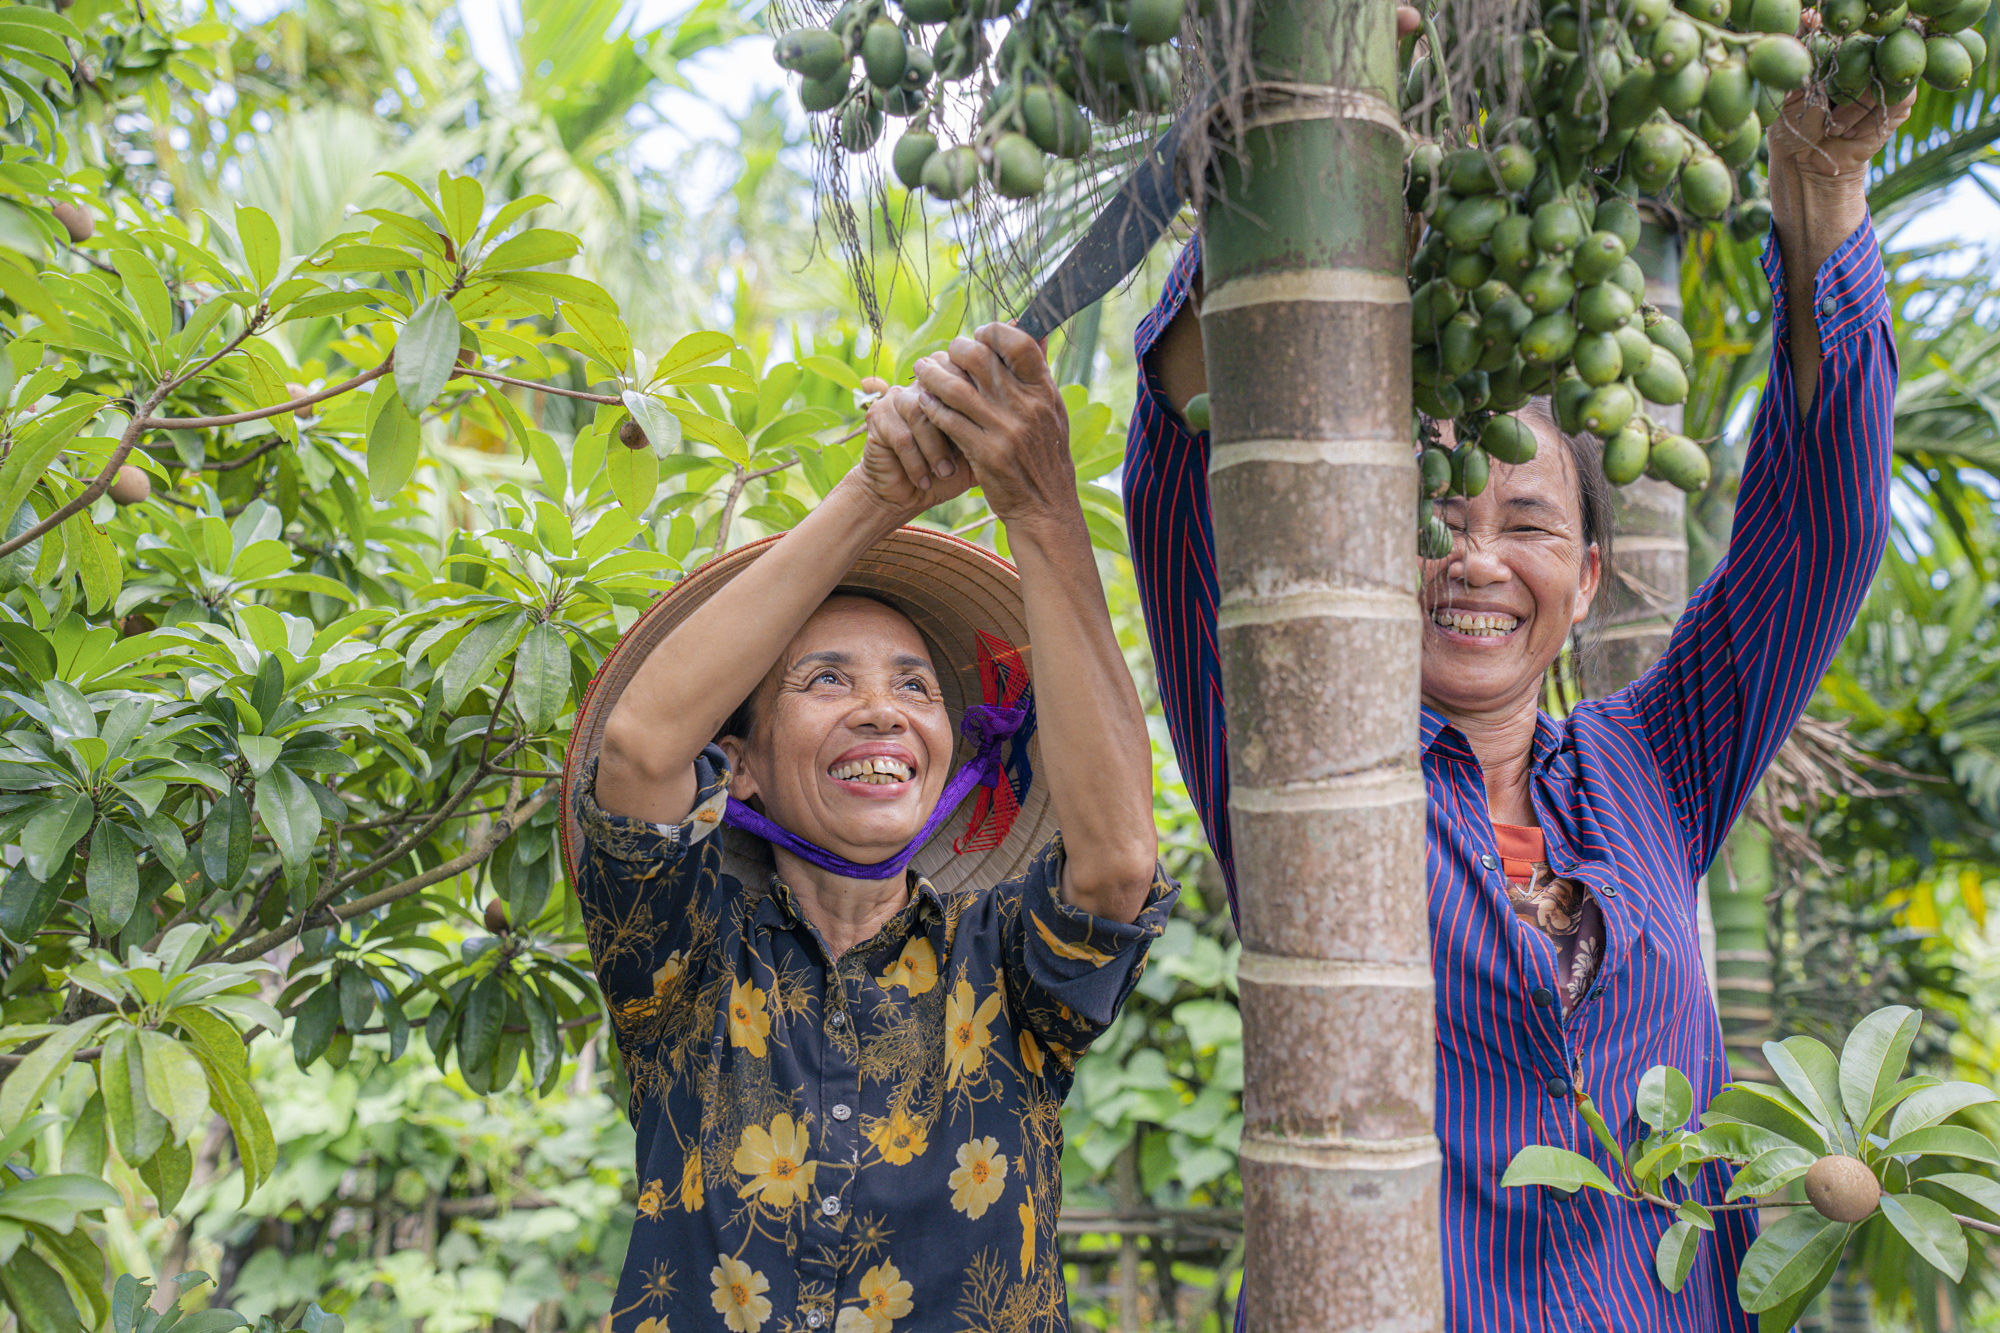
x: 1435, y: 467
x: 1604, y: 308
x: 1780, y: 61
x: 1472, y: 220
x: 1433, y: 539
x: 1515, y: 164
x: 1643, y: 16
x: 1661, y: 379
x: 1947, y: 67
x: 1568, y: 396
x: 1621, y: 219
x: 1473, y: 389
x: 1512, y: 246
x: 1432, y: 304
x: 929, y: 11
x: 1841, y: 17
x: 1676, y: 45
x: 1563, y: 28
x: 1154, y: 21
x: 918, y: 70
x: 1598, y: 358
x: 1633, y: 344
x: 1467, y: 269
x: 1509, y: 393
x: 912, y: 151
x: 1055, y: 122
x: 1931, y: 9
x: 1684, y: 88
x: 1900, y: 57
x: 1505, y: 320
x: 1549, y: 340
x: 1470, y: 469
x: 1740, y: 148
x: 951, y: 173
x: 1547, y: 287
x: 1196, y: 412
x: 1656, y: 154
x: 1666, y: 331
x: 1424, y: 364
x: 1881, y: 25
x: 1467, y: 171
x: 1961, y: 15
x: 1509, y: 439
x: 1597, y: 258
x: 1706, y: 188
x: 1729, y: 95
x: 1557, y: 227
x: 1607, y: 408
x: 884, y: 54
x: 1974, y: 44
x: 1771, y: 101
x: 1107, y: 54
x: 1438, y: 401
x: 1781, y: 16
x: 1484, y: 294
x: 813, y: 52
x: 1636, y: 99
x: 1625, y: 454
x: 1018, y: 167
x: 860, y: 125
x: 1458, y: 346
x: 1681, y: 462
x: 825, y: 94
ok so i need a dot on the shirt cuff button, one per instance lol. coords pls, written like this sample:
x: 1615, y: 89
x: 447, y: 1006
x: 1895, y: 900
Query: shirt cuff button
x: 1828, y: 307
x: 1489, y: 860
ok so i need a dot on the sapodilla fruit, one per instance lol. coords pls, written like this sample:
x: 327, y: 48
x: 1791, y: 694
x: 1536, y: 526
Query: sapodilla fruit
x: 78, y: 222
x: 496, y: 911
x: 131, y: 486
x: 1842, y: 1188
x: 631, y: 436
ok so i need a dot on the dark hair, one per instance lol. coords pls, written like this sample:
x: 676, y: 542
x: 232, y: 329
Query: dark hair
x: 743, y: 720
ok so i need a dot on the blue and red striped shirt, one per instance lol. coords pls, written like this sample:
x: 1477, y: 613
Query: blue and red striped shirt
x: 1633, y: 793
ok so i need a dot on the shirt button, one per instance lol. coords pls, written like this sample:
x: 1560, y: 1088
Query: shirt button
x: 1489, y: 860
x: 836, y: 1019
x: 815, y: 1317
x: 842, y: 1111
x: 1611, y: 890
x: 1828, y: 306
x: 1542, y: 996
x: 1558, y: 1086
x: 830, y: 1206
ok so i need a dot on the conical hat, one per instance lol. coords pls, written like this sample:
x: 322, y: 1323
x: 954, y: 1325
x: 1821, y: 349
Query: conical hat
x: 966, y: 601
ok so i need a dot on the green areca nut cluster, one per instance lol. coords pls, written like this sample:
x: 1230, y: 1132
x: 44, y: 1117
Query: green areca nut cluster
x: 1525, y: 282
x: 1059, y: 68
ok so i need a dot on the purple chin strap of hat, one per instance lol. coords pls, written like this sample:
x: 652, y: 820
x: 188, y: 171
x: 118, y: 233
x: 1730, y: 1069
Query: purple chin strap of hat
x: 988, y: 724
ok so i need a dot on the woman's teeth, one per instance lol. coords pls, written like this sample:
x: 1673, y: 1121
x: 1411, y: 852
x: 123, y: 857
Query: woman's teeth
x: 1482, y: 626
x: 876, y: 772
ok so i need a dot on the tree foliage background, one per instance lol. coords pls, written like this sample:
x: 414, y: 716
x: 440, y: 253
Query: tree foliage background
x: 275, y: 738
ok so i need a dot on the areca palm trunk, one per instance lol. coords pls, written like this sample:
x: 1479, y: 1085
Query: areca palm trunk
x: 1305, y: 321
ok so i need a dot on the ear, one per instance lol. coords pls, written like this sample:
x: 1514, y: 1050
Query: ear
x: 1588, y: 577
x: 742, y: 782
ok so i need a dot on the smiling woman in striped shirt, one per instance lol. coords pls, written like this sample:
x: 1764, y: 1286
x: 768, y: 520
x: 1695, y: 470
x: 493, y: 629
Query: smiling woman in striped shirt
x: 1563, y: 856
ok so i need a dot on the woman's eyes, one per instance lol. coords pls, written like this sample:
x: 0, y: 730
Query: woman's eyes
x: 826, y: 678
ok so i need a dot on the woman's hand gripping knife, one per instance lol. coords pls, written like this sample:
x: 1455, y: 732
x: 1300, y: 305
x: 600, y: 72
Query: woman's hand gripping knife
x: 990, y: 400
x: 689, y: 686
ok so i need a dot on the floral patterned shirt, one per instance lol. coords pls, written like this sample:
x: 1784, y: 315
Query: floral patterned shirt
x: 867, y: 1145
x: 1559, y: 907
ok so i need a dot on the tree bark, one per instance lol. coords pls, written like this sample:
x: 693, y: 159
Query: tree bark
x: 1305, y: 319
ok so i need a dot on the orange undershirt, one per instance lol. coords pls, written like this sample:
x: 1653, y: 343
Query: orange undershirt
x: 1560, y: 908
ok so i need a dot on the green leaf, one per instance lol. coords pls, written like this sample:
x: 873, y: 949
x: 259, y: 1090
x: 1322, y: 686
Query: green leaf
x: 394, y: 441
x: 290, y: 815
x: 1931, y: 1106
x: 20, y: 287
x: 541, y: 677
x: 175, y: 1083
x: 137, y: 1128
x: 1980, y: 1189
x: 1873, y: 1058
x: 25, y: 902
x: 259, y: 238
x: 260, y: 752
x: 1768, y: 1108
x: 97, y: 563
x: 838, y: 371
x: 1768, y: 1171
x: 1931, y: 1230
x: 1665, y: 1099
x: 477, y: 654
x: 698, y: 349
x: 544, y: 1044
x: 112, y: 878
x: 1808, y: 1069
x: 37, y: 1294
x: 530, y: 249
x: 479, y: 1031
x: 357, y: 998
x: 148, y: 294
x: 225, y: 841
x: 50, y: 834
x: 1695, y: 1214
x: 1787, y: 1256
x: 634, y: 476
x: 425, y: 353
x: 1538, y: 1164
x: 167, y: 1176
x: 463, y: 202
x: 1944, y: 1141
x: 267, y: 389
x: 663, y: 428
x: 312, y: 1027
x: 22, y: 1093
x: 1674, y: 1259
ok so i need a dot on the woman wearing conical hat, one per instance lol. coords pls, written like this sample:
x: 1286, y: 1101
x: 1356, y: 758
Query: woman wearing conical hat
x: 814, y: 812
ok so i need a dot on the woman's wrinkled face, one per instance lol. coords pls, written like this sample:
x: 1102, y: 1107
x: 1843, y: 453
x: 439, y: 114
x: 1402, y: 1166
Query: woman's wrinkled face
x: 851, y: 744
x: 1519, y: 576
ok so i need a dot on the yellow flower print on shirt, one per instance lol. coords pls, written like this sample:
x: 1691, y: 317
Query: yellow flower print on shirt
x: 1027, y: 1215
x: 1031, y: 1053
x: 775, y: 1161
x: 915, y: 970
x: 885, y: 1297
x: 739, y: 1295
x: 653, y: 1200
x: 749, y: 1020
x: 966, y: 1034
x: 652, y: 1324
x: 899, y: 1139
x: 980, y: 1179
x: 692, y: 1194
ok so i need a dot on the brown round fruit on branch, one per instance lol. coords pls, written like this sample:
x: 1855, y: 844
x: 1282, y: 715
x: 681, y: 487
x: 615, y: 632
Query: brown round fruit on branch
x: 78, y: 222
x: 1842, y: 1188
x: 496, y: 916
x: 131, y: 486
x: 300, y: 391
x: 631, y: 436
x: 136, y: 623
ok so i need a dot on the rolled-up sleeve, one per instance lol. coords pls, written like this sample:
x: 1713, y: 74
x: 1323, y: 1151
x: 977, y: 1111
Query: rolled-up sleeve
x: 1069, y: 972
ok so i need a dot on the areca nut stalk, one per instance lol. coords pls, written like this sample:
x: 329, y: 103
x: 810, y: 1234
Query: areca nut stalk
x: 1305, y: 322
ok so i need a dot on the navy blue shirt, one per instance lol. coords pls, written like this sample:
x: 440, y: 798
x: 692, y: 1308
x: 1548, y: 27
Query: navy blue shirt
x: 1633, y: 794
x: 863, y: 1145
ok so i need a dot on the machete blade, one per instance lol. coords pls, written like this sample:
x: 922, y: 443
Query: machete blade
x: 1118, y: 240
